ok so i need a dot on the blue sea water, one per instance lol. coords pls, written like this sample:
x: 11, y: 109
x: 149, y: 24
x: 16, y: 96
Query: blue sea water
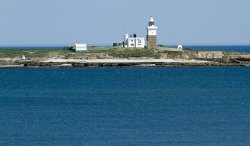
x: 125, y: 106
x: 237, y: 48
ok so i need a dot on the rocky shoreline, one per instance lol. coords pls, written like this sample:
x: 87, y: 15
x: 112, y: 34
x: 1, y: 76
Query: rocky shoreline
x: 34, y: 64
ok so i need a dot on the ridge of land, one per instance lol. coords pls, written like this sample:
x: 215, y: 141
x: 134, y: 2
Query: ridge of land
x: 119, y: 57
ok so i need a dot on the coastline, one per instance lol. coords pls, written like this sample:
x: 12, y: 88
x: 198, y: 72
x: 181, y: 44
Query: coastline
x: 121, y: 63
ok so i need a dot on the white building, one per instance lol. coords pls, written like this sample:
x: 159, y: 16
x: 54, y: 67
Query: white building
x: 133, y: 41
x: 79, y: 47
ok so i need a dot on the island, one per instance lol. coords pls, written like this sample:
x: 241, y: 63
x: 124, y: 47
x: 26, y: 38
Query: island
x: 119, y: 57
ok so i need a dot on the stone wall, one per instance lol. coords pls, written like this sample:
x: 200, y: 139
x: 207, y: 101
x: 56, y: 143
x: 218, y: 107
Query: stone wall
x: 210, y: 54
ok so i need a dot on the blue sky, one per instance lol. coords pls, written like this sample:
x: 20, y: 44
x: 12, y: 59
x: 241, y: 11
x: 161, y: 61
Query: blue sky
x: 189, y: 22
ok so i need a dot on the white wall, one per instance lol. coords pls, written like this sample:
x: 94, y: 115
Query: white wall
x: 152, y: 30
x: 80, y: 47
x: 135, y: 42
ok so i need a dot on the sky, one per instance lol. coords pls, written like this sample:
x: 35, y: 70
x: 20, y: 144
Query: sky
x: 102, y: 22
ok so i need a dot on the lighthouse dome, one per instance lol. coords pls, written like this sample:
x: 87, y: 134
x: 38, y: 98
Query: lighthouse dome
x: 151, y: 19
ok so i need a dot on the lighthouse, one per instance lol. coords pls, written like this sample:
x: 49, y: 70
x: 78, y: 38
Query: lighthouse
x: 152, y: 34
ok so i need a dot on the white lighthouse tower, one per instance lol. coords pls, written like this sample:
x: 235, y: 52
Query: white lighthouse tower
x: 152, y: 34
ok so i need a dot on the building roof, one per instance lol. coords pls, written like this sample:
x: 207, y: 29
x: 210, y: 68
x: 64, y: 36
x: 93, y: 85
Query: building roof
x: 79, y: 45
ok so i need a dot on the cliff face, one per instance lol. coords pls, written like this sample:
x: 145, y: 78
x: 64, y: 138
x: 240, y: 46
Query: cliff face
x: 121, y: 57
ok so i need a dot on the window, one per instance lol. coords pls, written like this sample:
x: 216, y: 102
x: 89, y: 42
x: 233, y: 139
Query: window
x: 139, y: 42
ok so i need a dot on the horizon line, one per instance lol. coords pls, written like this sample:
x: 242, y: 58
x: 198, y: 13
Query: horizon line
x: 165, y: 44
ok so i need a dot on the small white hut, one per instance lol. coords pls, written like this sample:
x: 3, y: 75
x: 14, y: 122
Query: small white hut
x: 179, y: 47
x: 79, y: 47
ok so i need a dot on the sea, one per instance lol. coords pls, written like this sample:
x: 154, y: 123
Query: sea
x: 153, y: 106
x: 232, y: 48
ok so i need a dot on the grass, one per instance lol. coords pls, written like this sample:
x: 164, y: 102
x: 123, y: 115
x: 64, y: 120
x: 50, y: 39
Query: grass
x: 130, y: 53
x: 114, y: 52
x: 10, y: 53
x: 124, y: 53
x: 127, y: 53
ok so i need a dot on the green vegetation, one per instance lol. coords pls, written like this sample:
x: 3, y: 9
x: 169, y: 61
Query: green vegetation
x: 11, y: 53
x: 112, y: 52
x: 127, y: 53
